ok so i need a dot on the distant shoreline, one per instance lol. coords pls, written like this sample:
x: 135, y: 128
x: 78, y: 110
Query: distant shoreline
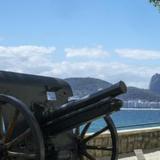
x: 137, y: 109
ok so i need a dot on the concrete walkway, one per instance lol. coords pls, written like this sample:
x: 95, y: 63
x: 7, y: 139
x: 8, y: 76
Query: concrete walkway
x: 154, y: 155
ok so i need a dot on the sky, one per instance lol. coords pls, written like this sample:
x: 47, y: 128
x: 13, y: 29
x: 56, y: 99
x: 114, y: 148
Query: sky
x: 106, y: 39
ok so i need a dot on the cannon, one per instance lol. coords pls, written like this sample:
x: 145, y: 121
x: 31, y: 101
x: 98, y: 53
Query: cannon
x: 39, y: 119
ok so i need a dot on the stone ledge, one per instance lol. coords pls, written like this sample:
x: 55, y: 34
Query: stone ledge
x: 131, y: 139
x: 138, y: 130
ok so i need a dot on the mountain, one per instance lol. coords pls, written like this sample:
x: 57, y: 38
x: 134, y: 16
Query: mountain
x: 84, y: 86
x: 134, y: 93
x: 155, y: 83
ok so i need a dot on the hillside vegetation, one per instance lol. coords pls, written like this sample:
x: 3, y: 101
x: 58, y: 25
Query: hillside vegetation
x: 84, y: 86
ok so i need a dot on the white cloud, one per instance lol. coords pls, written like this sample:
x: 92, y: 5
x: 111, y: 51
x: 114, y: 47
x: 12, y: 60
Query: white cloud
x: 25, y: 50
x: 40, y: 60
x: 112, y: 72
x: 138, y: 54
x: 86, y: 52
x: 27, y: 58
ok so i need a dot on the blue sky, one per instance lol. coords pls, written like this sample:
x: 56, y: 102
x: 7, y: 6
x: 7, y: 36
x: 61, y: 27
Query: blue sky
x: 111, y: 40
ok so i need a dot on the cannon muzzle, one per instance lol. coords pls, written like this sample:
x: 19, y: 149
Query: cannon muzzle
x: 112, y: 91
x: 83, y: 115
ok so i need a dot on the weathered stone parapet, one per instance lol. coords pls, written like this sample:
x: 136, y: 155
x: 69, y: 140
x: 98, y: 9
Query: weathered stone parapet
x: 144, y: 138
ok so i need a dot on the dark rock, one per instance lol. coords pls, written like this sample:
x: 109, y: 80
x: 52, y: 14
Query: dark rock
x: 155, y: 83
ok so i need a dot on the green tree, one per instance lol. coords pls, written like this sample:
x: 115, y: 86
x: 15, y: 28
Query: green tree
x: 156, y: 3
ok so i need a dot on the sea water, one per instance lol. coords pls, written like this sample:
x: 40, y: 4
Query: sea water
x: 131, y: 118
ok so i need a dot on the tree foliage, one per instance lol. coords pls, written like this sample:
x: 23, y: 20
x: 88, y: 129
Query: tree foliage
x: 156, y: 3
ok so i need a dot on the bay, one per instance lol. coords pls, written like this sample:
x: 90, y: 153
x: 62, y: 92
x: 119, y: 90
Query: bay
x: 131, y: 119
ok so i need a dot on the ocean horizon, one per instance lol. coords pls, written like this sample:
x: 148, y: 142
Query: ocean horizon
x: 131, y: 118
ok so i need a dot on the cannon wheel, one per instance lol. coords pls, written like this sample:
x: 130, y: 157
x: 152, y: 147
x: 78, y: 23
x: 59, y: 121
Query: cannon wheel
x: 20, y: 134
x: 87, y: 144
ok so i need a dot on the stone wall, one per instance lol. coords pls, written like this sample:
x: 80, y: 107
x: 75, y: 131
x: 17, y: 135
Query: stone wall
x: 147, y: 138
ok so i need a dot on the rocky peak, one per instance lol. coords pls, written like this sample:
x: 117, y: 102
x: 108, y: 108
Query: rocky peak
x: 155, y: 83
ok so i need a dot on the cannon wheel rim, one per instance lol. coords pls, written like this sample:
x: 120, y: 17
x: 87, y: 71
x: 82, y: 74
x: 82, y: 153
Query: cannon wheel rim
x: 31, y: 122
x: 81, y: 141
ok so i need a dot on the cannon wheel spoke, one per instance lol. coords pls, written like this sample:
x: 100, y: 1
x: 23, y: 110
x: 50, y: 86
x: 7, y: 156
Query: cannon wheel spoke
x: 95, y: 134
x: 21, y: 155
x: 2, y: 124
x: 21, y: 137
x: 81, y: 157
x: 87, y: 155
x: 18, y: 139
x: 11, y: 125
x: 85, y: 129
x: 99, y: 148
x: 86, y: 148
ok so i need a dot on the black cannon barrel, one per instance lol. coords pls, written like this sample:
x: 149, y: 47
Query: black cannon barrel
x: 81, y: 116
x: 111, y: 91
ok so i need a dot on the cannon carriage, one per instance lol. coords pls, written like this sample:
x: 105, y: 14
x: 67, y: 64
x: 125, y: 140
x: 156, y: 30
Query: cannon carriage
x: 39, y: 121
